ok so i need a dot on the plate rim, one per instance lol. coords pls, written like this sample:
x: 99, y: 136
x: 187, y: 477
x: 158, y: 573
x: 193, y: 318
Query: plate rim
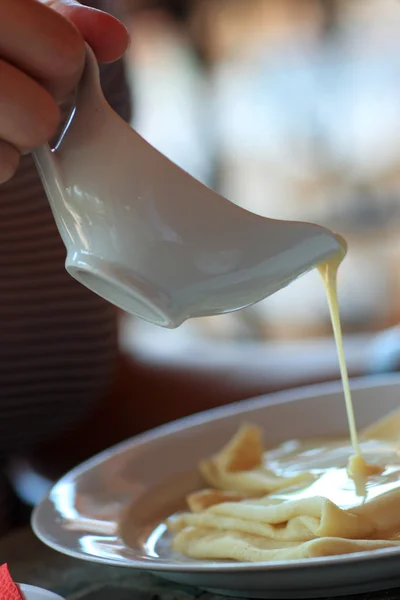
x: 207, y: 567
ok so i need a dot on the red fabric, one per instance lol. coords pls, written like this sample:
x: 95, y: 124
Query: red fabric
x: 8, y: 589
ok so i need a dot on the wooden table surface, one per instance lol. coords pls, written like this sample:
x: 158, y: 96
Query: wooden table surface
x: 32, y: 562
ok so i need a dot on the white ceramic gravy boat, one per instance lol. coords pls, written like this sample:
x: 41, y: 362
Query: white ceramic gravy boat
x: 148, y: 237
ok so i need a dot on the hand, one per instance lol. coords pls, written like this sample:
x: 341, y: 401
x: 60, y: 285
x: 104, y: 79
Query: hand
x: 42, y: 55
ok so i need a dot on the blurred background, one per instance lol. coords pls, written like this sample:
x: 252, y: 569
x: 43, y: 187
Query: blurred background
x: 290, y: 108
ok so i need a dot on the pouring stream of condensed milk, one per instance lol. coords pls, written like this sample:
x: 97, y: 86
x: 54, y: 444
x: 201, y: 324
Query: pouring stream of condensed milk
x: 358, y: 469
x: 329, y: 271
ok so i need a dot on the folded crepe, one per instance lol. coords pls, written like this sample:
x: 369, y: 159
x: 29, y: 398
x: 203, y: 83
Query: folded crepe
x: 239, y: 467
x: 207, y: 544
x: 237, y: 519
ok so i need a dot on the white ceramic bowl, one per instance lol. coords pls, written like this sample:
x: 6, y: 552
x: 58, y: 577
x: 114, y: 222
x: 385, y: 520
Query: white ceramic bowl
x: 34, y: 593
x: 164, y: 248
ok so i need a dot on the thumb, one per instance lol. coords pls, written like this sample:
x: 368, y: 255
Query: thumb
x: 106, y: 35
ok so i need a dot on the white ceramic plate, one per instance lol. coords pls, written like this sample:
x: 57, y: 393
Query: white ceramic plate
x: 34, y: 593
x: 105, y: 510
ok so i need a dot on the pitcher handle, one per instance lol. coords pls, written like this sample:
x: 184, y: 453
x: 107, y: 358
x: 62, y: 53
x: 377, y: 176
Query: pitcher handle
x: 88, y: 98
